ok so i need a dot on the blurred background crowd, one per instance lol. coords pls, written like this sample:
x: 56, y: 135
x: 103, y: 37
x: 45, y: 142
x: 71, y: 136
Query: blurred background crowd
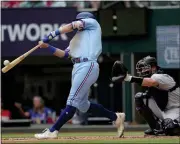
x: 85, y: 4
x: 28, y: 4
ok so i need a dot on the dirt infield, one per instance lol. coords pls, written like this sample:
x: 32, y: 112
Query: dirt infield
x: 81, y: 138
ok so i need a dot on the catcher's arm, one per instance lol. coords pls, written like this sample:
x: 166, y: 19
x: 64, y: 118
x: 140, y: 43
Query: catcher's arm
x: 148, y: 82
x: 120, y: 74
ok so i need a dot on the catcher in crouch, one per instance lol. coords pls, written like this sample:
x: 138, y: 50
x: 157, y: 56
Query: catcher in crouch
x: 159, y: 103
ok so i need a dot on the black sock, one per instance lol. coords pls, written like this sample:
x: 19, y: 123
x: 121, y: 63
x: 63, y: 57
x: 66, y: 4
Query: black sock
x: 99, y: 110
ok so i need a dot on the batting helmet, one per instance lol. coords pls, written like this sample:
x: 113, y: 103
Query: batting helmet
x: 144, y: 66
x: 85, y: 15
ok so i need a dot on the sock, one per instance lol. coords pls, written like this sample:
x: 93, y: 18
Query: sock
x: 65, y: 115
x: 99, y: 110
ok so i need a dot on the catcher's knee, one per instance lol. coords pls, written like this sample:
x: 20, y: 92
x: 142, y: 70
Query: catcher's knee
x: 139, y: 100
x: 138, y: 95
x: 171, y: 127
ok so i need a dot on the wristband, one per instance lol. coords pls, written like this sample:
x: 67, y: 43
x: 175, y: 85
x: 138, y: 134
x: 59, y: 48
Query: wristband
x: 66, y: 55
x: 57, y: 32
x: 137, y: 80
x: 52, y: 49
x: 52, y: 35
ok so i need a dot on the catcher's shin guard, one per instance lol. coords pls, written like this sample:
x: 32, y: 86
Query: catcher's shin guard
x: 171, y: 127
x: 145, y: 111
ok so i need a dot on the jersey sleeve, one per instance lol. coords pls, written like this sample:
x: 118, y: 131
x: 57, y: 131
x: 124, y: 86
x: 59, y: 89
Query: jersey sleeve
x: 84, y: 24
x: 89, y: 24
x: 165, y: 81
x: 78, y: 25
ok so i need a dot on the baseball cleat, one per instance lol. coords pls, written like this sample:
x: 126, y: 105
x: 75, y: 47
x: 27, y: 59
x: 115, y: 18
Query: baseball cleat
x: 156, y: 132
x: 120, y: 123
x: 46, y: 134
x: 149, y: 132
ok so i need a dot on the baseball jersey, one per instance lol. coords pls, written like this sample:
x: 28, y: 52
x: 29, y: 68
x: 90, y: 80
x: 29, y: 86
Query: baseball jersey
x: 42, y: 116
x: 166, y: 82
x: 87, y: 42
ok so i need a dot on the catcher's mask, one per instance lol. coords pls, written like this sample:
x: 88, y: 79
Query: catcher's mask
x: 144, y: 66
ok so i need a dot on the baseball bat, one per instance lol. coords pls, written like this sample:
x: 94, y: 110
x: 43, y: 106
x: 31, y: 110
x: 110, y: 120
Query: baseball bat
x: 18, y: 60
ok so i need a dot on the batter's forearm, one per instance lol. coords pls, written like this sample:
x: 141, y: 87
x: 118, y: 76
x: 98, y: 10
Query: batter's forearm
x: 58, y: 52
x: 66, y: 28
x: 79, y: 25
x: 63, y: 29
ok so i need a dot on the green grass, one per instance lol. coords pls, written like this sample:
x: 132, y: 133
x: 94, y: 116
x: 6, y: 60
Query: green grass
x: 173, y: 140
x: 146, y: 141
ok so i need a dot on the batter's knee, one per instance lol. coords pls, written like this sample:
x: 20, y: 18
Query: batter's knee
x: 82, y: 106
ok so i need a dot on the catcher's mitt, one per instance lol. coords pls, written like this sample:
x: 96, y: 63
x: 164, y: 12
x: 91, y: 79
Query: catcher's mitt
x: 119, y: 71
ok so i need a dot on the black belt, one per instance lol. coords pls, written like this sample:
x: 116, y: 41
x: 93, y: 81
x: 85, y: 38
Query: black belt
x: 174, y: 88
x: 79, y: 60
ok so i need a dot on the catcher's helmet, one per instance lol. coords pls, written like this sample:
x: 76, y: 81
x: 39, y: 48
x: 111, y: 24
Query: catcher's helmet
x: 144, y: 66
x: 85, y: 15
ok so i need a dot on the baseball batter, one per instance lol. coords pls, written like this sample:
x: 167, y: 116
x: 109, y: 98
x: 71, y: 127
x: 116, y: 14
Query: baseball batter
x: 160, y: 103
x: 84, y: 49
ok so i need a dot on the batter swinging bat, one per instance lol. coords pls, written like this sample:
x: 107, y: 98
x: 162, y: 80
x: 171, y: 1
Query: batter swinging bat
x: 18, y: 60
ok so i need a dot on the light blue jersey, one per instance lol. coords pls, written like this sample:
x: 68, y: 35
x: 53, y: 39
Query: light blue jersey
x: 87, y: 42
x: 84, y: 50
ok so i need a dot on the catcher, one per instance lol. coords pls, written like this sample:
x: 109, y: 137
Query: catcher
x: 159, y: 103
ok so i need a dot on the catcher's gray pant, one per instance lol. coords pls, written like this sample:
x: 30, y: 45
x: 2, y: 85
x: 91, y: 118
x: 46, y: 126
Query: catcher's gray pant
x: 173, y: 113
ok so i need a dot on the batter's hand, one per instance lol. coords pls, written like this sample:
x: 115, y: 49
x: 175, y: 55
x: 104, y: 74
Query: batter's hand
x: 43, y: 45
